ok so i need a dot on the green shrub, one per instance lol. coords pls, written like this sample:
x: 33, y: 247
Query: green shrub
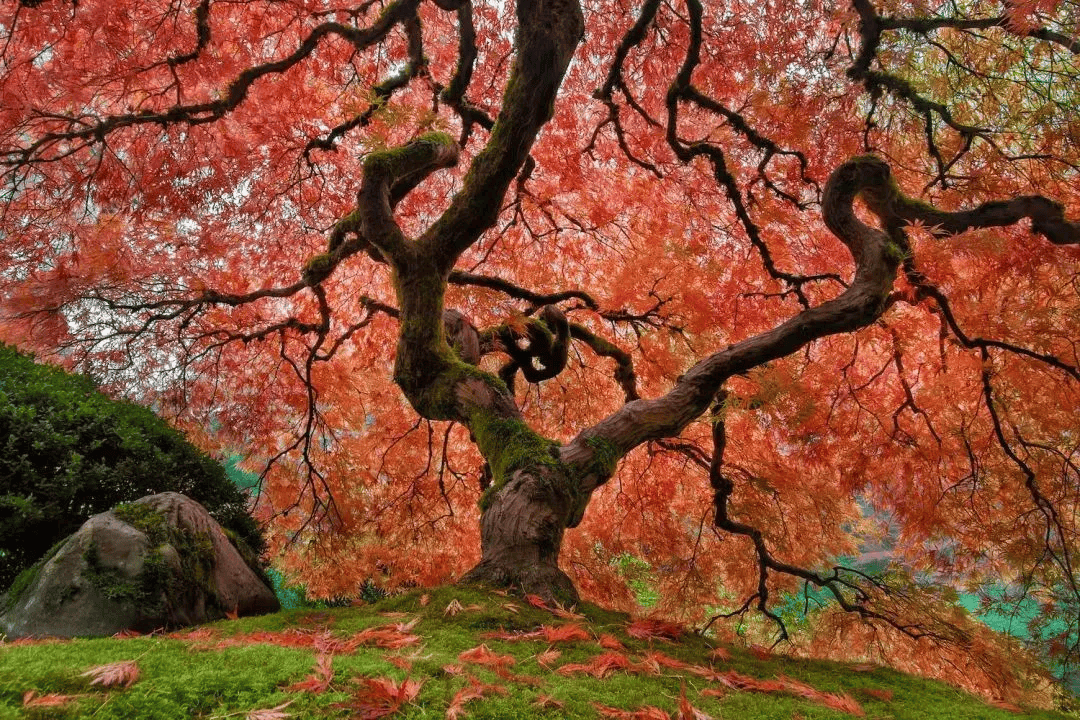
x: 68, y: 452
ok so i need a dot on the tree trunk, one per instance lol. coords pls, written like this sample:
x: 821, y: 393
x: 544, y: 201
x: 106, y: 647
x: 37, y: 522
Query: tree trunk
x: 521, y: 531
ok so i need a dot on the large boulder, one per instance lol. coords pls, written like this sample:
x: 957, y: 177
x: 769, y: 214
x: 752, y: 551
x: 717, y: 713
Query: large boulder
x: 159, y: 562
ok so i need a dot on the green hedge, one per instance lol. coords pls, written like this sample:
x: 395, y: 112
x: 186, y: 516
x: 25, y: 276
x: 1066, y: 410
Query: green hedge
x: 68, y: 452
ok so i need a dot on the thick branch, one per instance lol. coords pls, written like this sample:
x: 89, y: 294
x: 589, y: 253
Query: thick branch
x: 877, y: 254
x: 547, y: 36
x: 402, y: 168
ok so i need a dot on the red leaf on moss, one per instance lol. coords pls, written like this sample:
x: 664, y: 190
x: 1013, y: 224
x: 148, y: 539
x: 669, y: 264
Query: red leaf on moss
x: 483, y: 655
x: 128, y: 633
x: 379, y: 697
x: 649, y: 712
x: 600, y: 666
x: 546, y: 701
x: 117, y: 674
x: 390, y: 637
x: 610, y: 642
x: 320, y: 678
x: 548, y: 656
x: 782, y: 684
x: 32, y: 699
x: 562, y: 633
x: 688, y: 711
x: 536, y: 601
x: 203, y: 633
x: 720, y: 654
x: 475, y: 690
x: 653, y: 629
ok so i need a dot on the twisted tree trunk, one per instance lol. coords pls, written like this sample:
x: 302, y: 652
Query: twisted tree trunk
x: 521, y: 532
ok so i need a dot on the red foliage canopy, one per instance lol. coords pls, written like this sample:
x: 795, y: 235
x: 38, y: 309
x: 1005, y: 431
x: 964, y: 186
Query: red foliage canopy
x: 226, y: 208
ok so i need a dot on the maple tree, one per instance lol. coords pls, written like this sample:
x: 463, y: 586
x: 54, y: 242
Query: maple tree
x: 731, y: 289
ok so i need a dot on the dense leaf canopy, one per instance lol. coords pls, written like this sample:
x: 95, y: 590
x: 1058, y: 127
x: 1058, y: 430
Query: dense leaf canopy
x: 235, y: 209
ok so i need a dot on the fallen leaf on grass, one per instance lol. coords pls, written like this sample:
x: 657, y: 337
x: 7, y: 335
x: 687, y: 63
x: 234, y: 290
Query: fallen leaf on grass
x: 548, y: 656
x: 536, y: 601
x: 456, y: 607
x: 475, y: 690
x: 558, y: 611
x: 783, y: 684
x: 600, y: 666
x: 128, y: 633
x: 314, y: 618
x: 274, y: 713
x: 546, y: 701
x: 405, y: 662
x: 720, y: 654
x: 688, y: 711
x: 483, y: 655
x: 203, y: 633
x: 566, y: 613
x: 30, y: 698
x: 610, y: 642
x: 562, y: 633
x: 886, y: 695
x: 761, y: 653
x: 653, y: 629
x: 424, y: 600
x: 511, y: 608
x: 117, y: 674
x: 390, y: 637
x: 378, y: 697
x: 649, y: 712
x: 319, y: 680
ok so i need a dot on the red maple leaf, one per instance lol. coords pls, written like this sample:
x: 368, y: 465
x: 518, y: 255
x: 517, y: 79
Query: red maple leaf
x: 117, y: 674
x: 475, y: 690
x: 654, y: 629
x: 483, y: 655
x: 648, y: 712
x: 378, y: 697
x: 320, y: 678
x: 31, y: 699
x: 599, y: 666
x: 611, y: 642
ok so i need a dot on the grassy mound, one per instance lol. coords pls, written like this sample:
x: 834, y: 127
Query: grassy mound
x: 452, y: 653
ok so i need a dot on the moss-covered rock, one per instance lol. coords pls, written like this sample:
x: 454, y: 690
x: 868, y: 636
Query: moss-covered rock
x: 161, y: 561
x: 67, y: 452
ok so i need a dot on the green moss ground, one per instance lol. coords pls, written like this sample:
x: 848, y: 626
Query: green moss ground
x: 231, y: 668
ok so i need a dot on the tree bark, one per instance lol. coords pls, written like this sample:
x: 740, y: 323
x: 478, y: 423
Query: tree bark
x: 521, y: 533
